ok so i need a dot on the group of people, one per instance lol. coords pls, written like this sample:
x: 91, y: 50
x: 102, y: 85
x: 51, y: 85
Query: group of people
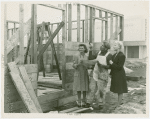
x: 94, y: 73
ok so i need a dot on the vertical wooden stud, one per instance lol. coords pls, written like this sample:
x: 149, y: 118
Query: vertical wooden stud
x: 34, y: 33
x: 100, y: 15
x: 91, y: 25
x: 52, y: 56
x: 111, y: 25
x: 64, y: 30
x: 106, y: 26
x: 58, y: 44
x: 69, y: 22
x: 86, y: 24
x: 116, y: 27
x: 93, y: 33
x: 21, y: 33
x: 83, y: 31
x: 122, y: 28
x: 78, y: 22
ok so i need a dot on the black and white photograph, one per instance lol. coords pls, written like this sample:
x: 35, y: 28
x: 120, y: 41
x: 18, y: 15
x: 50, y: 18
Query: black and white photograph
x: 75, y: 58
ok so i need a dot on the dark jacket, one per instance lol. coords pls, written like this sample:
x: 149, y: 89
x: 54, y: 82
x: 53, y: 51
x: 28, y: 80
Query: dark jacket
x: 118, y: 82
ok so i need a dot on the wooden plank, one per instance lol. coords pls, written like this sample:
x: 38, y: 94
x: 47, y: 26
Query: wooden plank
x: 10, y: 21
x: 86, y: 24
x: 29, y: 87
x: 106, y: 26
x: 33, y: 34
x: 13, y: 68
x: 64, y: 39
x: 100, y: 15
x: 93, y: 36
x: 55, y: 55
x: 78, y: 23
x: 83, y: 31
x: 24, y: 93
x: 69, y: 110
x: 67, y: 100
x: 58, y: 45
x: 28, y: 48
x: 31, y: 68
x: 116, y: 26
x: 13, y: 40
x: 52, y: 56
x: 91, y: 25
x: 32, y: 76
x: 51, y: 6
x: 122, y: 28
x: 80, y: 110
x: 21, y: 35
x: 69, y: 22
x: 15, y: 48
x: 50, y: 39
x: 111, y: 25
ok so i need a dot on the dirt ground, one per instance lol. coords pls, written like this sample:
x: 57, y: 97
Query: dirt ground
x: 134, y: 102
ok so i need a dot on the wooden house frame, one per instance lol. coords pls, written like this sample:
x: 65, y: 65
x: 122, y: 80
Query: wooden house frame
x: 68, y: 47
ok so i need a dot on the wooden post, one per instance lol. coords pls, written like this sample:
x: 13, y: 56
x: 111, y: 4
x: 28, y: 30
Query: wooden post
x: 122, y: 28
x: 93, y: 36
x: 64, y: 34
x: 7, y: 31
x: 69, y: 22
x: 86, y: 24
x: 83, y: 31
x: 100, y: 15
x: 111, y: 25
x: 21, y: 34
x: 91, y: 25
x: 78, y: 22
x: 106, y: 26
x: 116, y: 27
x: 58, y: 44
x: 52, y: 58
x: 34, y: 33
x: 15, y: 48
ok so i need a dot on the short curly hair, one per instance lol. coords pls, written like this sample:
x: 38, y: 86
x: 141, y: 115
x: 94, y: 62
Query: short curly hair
x: 106, y: 44
x: 86, y: 50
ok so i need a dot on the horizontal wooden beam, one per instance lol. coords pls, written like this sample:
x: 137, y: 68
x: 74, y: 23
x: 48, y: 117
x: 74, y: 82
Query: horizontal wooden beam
x: 12, y: 21
x: 51, y: 6
x: 103, y: 9
x: 99, y: 18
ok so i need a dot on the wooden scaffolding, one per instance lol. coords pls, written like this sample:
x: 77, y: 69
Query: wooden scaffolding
x: 17, y: 53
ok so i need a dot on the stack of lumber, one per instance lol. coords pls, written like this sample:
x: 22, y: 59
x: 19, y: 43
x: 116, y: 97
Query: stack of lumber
x: 24, y: 87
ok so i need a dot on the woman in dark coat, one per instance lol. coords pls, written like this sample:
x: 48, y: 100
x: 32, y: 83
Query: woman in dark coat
x: 118, y: 82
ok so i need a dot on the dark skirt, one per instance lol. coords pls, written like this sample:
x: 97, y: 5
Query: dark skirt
x: 118, y: 82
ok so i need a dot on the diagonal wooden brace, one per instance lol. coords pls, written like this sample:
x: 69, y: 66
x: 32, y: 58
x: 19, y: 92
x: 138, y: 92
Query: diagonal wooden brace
x: 50, y: 40
x: 55, y: 55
